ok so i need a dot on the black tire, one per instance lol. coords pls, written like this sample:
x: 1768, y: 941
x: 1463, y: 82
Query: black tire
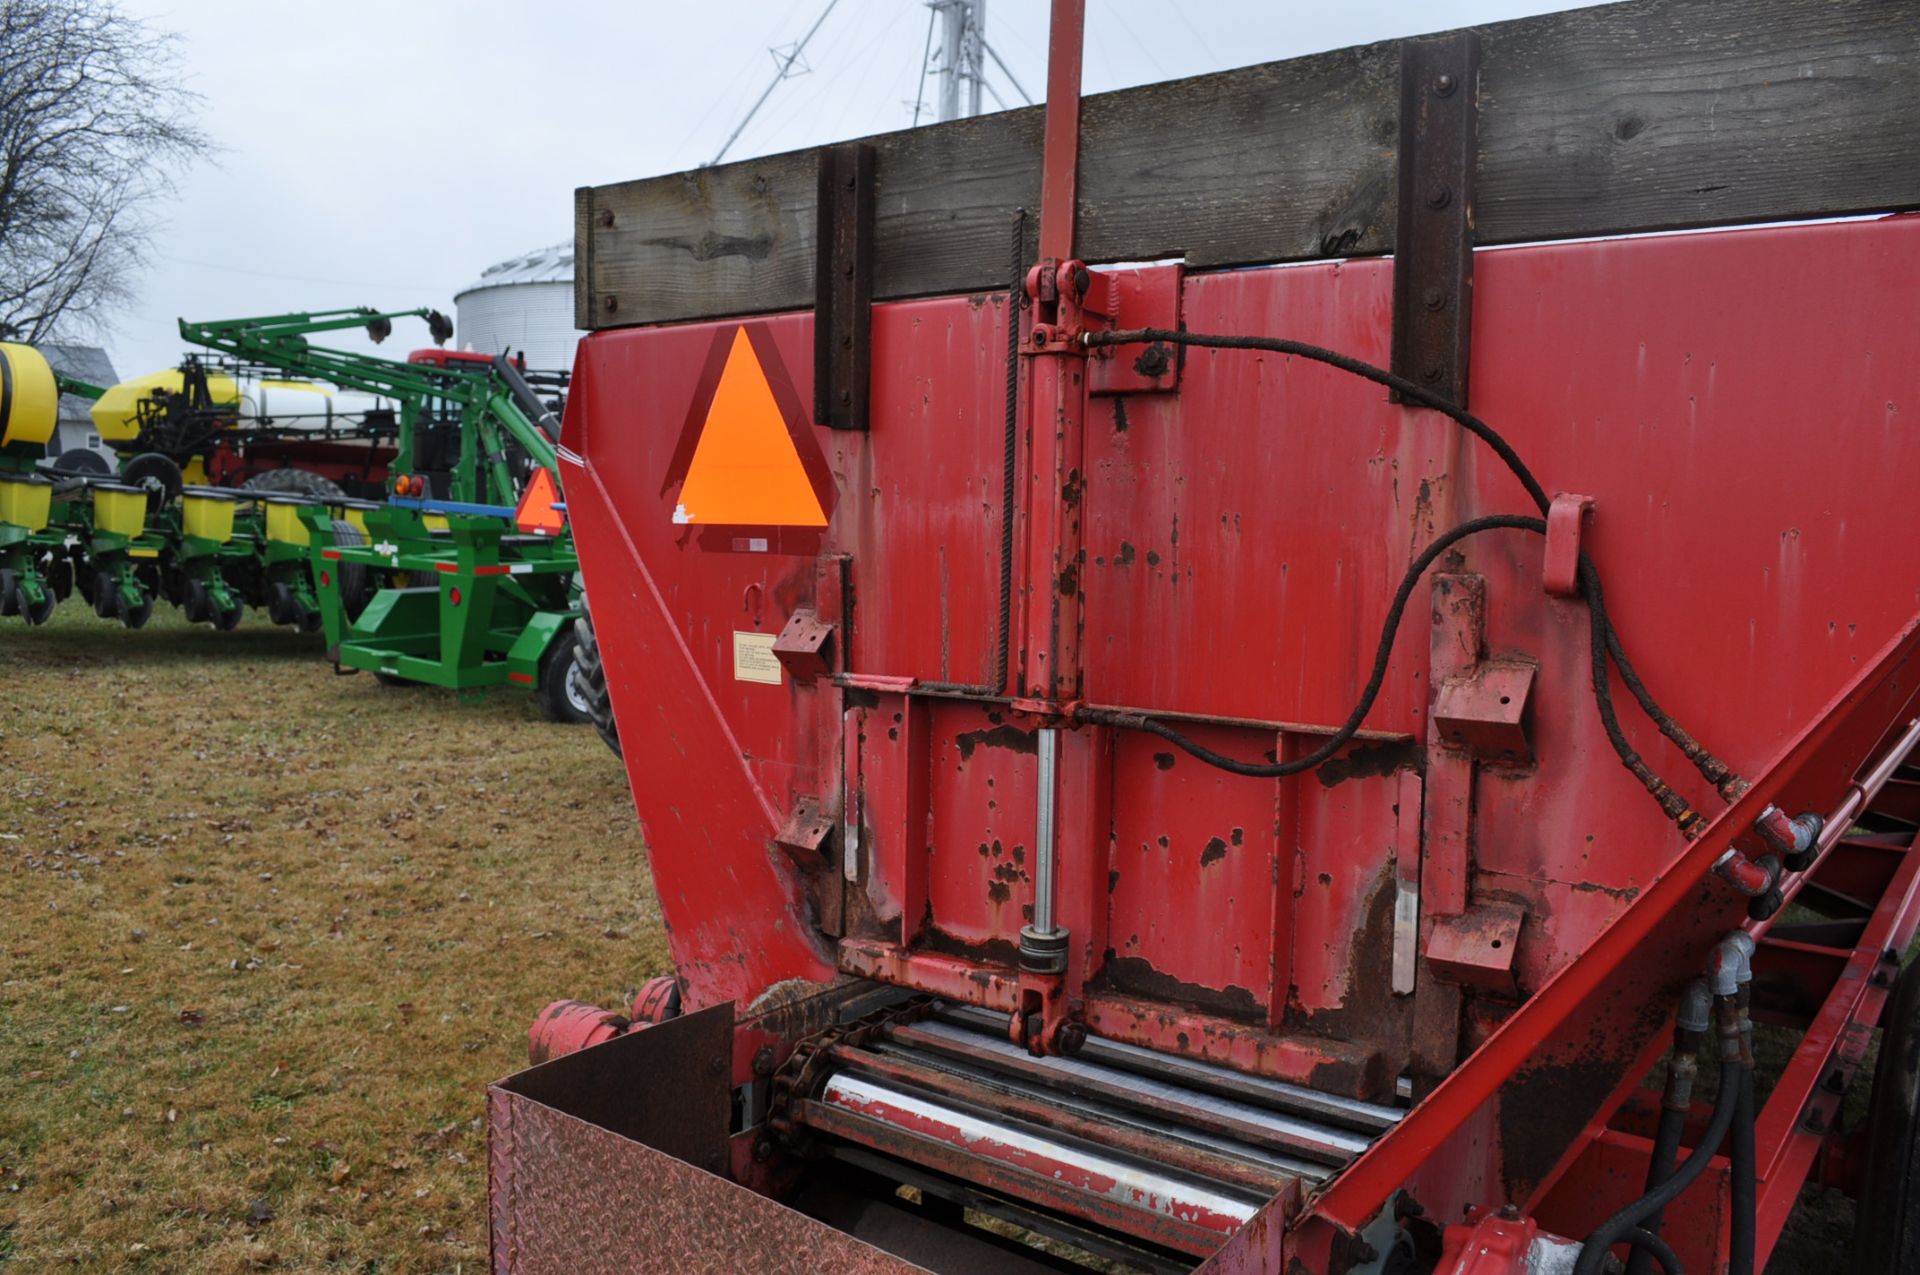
x: 158, y: 474
x: 10, y: 597
x: 82, y: 460
x: 355, y: 589
x: 296, y: 482
x: 281, y: 608
x: 1886, y: 1232
x: 560, y: 695
x: 198, y: 603
x: 105, y: 595
x: 229, y: 620
x: 59, y: 575
x: 591, y: 675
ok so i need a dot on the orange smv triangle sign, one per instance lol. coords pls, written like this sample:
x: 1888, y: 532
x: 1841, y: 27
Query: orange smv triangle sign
x: 745, y: 470
x: 536, y: 514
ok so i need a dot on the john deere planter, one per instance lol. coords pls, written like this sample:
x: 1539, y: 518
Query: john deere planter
x: 29, y: 412
x: 465, y: 578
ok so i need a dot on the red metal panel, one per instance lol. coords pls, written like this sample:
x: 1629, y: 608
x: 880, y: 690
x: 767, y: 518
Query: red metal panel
x: 1196, y: 856
x: 1243, y: 534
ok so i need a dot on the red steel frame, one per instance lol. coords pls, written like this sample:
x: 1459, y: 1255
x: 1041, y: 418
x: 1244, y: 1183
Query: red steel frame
x: 1221, y: 555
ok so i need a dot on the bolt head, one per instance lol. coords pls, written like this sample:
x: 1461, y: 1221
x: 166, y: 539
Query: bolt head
x: 1431, y: 372
x: 1039, y: 336
x: 609, y: 303
x: 1434, y: 298
x: 1439, y: 195
x: 1444, y: 85
x: 606, y: 217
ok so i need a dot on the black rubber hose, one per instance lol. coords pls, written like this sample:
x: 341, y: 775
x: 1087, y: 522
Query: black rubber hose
x: 1745, y: 1201
x: 1694, y: 1017
x: 1382, y: 655
x: 1617, y: 1229
x: 1647, y: 1243
x: 1715, y: 771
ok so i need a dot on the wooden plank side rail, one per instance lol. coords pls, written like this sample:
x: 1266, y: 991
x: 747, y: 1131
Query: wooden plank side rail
x: 1648, y: 115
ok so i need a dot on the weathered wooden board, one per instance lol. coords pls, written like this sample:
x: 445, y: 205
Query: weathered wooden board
x: 1648, y: 115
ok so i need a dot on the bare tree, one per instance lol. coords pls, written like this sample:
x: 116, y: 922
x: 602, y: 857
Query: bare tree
x: 94, y: 125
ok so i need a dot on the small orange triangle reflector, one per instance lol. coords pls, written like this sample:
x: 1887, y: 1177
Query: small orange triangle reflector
x: 536, y: 514
x: 745, y: 470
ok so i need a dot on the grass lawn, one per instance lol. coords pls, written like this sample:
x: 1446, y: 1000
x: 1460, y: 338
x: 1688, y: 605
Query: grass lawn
x: 266, y: 934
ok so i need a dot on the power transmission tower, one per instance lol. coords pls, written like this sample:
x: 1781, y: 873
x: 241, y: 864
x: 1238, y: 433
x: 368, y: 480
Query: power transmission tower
x: 963, y: 45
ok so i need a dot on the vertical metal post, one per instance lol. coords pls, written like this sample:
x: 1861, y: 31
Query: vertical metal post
x: 1061, y: 164
x: 1043, y: 835
x: 1053, y: 421
x: 1056, y: 401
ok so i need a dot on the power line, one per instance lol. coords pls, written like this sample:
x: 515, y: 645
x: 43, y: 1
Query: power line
x: 997, y: 61
x: 920, y: 94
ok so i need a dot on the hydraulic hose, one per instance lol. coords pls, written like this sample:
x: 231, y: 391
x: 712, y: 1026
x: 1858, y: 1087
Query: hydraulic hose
x: 1745, y: 1201
x: 1381, y: 656
x: 1716, y: 771
x: 1622, y: 1226
x: 1645, y: 1241
x: 1689, y: 1034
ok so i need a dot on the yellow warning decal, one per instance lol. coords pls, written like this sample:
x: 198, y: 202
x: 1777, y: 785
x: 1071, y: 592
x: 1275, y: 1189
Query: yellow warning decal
x: 745, y: 469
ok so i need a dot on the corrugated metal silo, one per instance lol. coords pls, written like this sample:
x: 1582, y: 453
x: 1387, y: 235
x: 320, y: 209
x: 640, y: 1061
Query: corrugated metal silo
x: 522, y: 304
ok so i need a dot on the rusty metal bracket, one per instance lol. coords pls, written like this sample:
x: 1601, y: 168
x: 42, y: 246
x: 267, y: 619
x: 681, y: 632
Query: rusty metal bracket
x: 1433, y: 238
x: 1483, y: 711
x: 1476, y: 948
x: 843, y: 287
x: 1566, y: 518
x: 805, y: 832
x: 1137, y: 297
x: 805, y: 645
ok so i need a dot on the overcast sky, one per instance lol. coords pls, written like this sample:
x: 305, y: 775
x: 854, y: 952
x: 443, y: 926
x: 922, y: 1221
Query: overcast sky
x: 385, y: 153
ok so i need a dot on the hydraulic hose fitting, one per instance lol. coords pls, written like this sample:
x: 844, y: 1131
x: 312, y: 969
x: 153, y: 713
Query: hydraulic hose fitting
x: 1758, y: 879
x: 1749, y: 876
x: 1689, y: 1034
x: 1797, y: 838
x: 1743, y: 992
x: 1729, y: 971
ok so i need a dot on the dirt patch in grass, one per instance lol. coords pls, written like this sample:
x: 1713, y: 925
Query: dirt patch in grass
x: 265, y: 935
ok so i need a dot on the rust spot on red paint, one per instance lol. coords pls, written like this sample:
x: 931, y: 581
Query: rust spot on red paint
x: 1011, y: 738
x: 1163, y: 760
x: 1125, y: 557
x: 1366, y: 762
x: 1136, y: 976
x: 1216, y: 850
